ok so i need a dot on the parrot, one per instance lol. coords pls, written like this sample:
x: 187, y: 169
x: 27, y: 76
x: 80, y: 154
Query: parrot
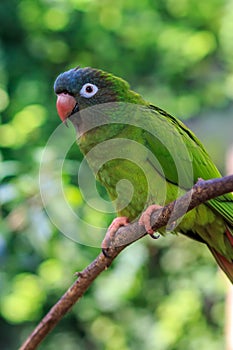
x: 124, y: 137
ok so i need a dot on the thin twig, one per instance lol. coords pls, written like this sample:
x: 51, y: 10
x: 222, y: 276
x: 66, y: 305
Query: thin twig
x: 200, y: 193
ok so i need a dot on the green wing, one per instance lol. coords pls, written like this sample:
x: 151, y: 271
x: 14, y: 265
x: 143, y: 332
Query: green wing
x: 176, y: 147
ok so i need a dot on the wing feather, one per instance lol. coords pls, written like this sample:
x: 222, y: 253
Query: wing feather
x: 175, y: 146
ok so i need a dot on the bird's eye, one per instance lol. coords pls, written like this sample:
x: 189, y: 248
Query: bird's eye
x: 88, y: 90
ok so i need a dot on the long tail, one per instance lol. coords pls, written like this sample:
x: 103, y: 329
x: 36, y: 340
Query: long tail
x: 226, y: 265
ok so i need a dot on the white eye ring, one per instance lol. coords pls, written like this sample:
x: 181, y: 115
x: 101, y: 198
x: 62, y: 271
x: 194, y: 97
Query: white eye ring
x: 88, y: 90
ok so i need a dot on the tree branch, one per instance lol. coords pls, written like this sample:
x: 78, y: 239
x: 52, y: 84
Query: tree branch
x: 201, y: 192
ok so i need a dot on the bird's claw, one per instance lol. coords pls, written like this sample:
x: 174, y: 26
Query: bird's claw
x: 145, y: 220
x: 116, y: 223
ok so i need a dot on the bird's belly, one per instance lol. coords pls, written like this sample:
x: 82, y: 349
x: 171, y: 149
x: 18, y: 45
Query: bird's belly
x: 132, y: 187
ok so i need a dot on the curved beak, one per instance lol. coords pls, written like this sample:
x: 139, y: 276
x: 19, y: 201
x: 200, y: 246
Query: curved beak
x: 66, y: 105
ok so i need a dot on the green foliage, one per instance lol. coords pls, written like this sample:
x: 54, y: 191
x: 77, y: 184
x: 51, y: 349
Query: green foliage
x: 158, y: 295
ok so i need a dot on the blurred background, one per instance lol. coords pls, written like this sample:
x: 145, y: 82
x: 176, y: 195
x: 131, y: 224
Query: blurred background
x: 163, y: 295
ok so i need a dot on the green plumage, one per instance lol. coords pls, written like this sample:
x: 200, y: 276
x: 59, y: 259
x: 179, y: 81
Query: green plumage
x: 155, y: 152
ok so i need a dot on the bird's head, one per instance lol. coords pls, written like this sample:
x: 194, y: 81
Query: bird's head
x: 80, y: 88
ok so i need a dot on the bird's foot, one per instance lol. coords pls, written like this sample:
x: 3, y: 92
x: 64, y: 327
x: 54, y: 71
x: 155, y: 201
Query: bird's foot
x: 145, y: 219
x: 116, y: 223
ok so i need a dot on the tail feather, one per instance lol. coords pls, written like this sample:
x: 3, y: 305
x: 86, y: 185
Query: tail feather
x: 225, y: 264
